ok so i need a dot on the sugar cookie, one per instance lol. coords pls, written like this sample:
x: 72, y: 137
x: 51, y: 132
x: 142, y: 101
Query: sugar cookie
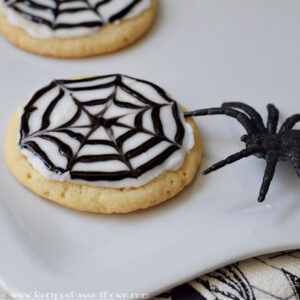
x: 75, y: 28
x: 109, y: 144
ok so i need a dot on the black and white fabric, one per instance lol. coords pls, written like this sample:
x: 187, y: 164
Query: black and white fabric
x: 274, y: 276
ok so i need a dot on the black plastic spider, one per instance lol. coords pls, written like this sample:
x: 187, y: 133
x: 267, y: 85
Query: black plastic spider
x: 264, y: 142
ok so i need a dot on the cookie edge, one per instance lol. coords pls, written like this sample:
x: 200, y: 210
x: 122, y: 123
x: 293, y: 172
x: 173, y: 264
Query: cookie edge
x: 104, y: 41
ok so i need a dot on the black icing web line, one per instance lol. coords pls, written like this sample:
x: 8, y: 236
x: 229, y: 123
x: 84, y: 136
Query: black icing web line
x: 98, y: 120
x: 55, y: 11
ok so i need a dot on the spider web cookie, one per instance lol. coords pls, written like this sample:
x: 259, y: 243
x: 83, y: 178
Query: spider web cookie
x: 75, y: 28
x: 103, y: 129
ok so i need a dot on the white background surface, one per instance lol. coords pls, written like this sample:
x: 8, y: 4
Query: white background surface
x: 203, y: 53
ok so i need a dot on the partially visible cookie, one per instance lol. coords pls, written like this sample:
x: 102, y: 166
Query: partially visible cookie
x: 71, y: 29
x: 120, y: 145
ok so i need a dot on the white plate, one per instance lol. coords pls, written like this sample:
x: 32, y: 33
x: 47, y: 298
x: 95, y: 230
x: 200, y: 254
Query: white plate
x: 203, y: 52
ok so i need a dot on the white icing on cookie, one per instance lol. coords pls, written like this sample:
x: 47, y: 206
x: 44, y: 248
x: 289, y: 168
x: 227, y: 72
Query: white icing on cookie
x: 63, y: 19
x: 113, y: 131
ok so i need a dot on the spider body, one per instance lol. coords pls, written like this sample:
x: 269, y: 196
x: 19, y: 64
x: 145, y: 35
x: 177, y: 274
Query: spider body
x: 262, y: 141
x: 282, y: 143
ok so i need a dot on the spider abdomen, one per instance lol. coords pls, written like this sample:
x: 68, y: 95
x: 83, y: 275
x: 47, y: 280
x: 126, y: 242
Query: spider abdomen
x: 289, y: 144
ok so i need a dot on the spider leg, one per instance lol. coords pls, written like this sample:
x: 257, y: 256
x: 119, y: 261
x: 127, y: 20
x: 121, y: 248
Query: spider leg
x: 271, y: 158
x: 232, y: 158
x: 290, y: 122
x: 241, y: 117
x: 273, y: 115
x: 254, y: 115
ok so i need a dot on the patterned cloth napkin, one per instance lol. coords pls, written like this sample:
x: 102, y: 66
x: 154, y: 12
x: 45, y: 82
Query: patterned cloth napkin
x: 273, y: 276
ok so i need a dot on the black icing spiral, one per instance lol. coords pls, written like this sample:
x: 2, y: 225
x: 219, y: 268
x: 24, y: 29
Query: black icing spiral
x: 45, y: 102
x: 48, y: 14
